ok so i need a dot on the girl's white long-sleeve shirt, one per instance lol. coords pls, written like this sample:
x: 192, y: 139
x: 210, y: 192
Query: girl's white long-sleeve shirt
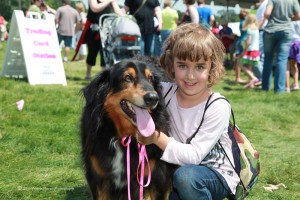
x: 204, y: 148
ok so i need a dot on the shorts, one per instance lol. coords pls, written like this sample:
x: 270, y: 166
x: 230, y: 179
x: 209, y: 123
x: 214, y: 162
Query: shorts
x: 67, y: 40
x: 294, y: 52
x: 94, y: 46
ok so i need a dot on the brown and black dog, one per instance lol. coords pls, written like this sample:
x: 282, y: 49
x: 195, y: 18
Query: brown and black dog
x: 110, y: 113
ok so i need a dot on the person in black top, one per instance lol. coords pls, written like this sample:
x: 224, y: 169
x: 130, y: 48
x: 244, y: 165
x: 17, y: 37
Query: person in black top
x: 92, y: 36
x: 144, y: 11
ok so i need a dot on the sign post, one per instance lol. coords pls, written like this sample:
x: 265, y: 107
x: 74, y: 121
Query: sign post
x: 33, y: 51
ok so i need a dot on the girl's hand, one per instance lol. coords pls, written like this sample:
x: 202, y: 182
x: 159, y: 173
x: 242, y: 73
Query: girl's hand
x: 147, y: 140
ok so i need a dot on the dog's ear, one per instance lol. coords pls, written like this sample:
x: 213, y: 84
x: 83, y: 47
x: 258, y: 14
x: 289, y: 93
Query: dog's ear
x: 98, y: 84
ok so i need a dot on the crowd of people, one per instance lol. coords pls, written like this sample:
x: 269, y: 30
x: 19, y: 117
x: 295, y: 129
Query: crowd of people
x: 268, y: 44
x: 252, y: 52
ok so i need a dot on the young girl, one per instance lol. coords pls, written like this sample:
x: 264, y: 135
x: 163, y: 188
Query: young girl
x: 215, y: 28
x: 193, y: 58
x: 250, y: 54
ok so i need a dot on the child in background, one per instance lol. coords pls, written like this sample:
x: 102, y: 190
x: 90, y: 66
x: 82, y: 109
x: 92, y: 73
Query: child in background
x: 193, y: 57
x: 250, y: 56
x: 294, y: 58
x: 239, y: 45
x: 215, y: 28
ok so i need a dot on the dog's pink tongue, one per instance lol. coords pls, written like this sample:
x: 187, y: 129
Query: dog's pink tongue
x: 144, y: 121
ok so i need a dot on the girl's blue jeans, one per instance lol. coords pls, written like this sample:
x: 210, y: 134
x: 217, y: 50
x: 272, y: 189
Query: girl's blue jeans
x: 197, y: 182
x: 279, y: 43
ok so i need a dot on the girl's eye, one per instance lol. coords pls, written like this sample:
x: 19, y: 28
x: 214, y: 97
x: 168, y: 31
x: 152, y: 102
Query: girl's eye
x: 200, y: 67
x: 128, y: 78
x: 181, y: 66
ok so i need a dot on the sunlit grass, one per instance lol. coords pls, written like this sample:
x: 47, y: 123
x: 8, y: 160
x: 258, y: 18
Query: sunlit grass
x: 40, y: 145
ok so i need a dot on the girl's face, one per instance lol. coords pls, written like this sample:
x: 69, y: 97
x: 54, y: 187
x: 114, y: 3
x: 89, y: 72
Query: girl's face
x: 191, y: 77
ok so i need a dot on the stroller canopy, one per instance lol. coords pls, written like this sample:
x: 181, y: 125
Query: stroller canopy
x: 125, y: 25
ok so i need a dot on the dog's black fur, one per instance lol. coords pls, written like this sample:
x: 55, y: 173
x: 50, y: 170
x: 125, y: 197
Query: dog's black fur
x: 104, y: 123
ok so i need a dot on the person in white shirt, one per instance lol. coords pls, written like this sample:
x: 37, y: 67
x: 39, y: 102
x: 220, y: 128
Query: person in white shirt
x: 193, y: 57
x: 78, y: 31
x: 191, y: 14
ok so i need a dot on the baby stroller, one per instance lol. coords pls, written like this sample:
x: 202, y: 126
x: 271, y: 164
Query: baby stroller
x: 120, y: 37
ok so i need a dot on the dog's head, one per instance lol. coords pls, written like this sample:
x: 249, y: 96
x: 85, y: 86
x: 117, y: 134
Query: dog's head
x: 128, y: 94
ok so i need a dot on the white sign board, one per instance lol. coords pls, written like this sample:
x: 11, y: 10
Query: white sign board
x: 33, y: 51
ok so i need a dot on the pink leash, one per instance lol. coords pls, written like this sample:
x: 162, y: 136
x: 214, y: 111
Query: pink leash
x: 142, y: 156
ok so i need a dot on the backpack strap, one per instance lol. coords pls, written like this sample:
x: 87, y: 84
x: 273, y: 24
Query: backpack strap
x: 231, y: 196
x: 233, y: 119
x: 169, y: 90
x: 139, y: 8
x: 233, y: 126
x: 188, y: 141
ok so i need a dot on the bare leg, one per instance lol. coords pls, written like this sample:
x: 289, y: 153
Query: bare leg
x: 253, y: 79
x: 81, y: 57
x: 88, y: 71
x: 238, y: 72
x: 294, y: 71
x: 249, y: 72
x: 67, y: 50
x: 287, y: 75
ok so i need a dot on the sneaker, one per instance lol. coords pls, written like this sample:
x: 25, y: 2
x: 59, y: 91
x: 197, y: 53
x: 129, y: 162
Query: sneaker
x: 87, y: 78
x: 294, y: 87
x: 288, y: 90
x: 65, y: 59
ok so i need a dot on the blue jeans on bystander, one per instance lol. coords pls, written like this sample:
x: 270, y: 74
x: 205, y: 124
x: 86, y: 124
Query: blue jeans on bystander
x: 146, y: 44
x: 276, y: 42
x: 164, y: 34
x: 156, y: 46
x: 258, y: 68
x: 198, y: 182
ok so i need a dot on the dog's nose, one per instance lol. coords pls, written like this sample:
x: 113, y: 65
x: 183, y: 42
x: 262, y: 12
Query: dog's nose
x: 151, y: 99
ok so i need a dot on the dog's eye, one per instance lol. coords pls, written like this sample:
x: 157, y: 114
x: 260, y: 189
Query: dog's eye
x: 128, y: 78
x: 150, y: 78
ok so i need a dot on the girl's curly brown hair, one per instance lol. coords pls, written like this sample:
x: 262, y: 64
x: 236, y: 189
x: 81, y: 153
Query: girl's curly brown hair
x: 192, y: 41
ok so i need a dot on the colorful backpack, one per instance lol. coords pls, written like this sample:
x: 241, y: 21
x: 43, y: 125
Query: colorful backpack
x: 246, y: 158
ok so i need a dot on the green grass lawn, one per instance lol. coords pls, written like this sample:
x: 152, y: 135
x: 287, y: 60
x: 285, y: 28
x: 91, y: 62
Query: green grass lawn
x: 40, y: 145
